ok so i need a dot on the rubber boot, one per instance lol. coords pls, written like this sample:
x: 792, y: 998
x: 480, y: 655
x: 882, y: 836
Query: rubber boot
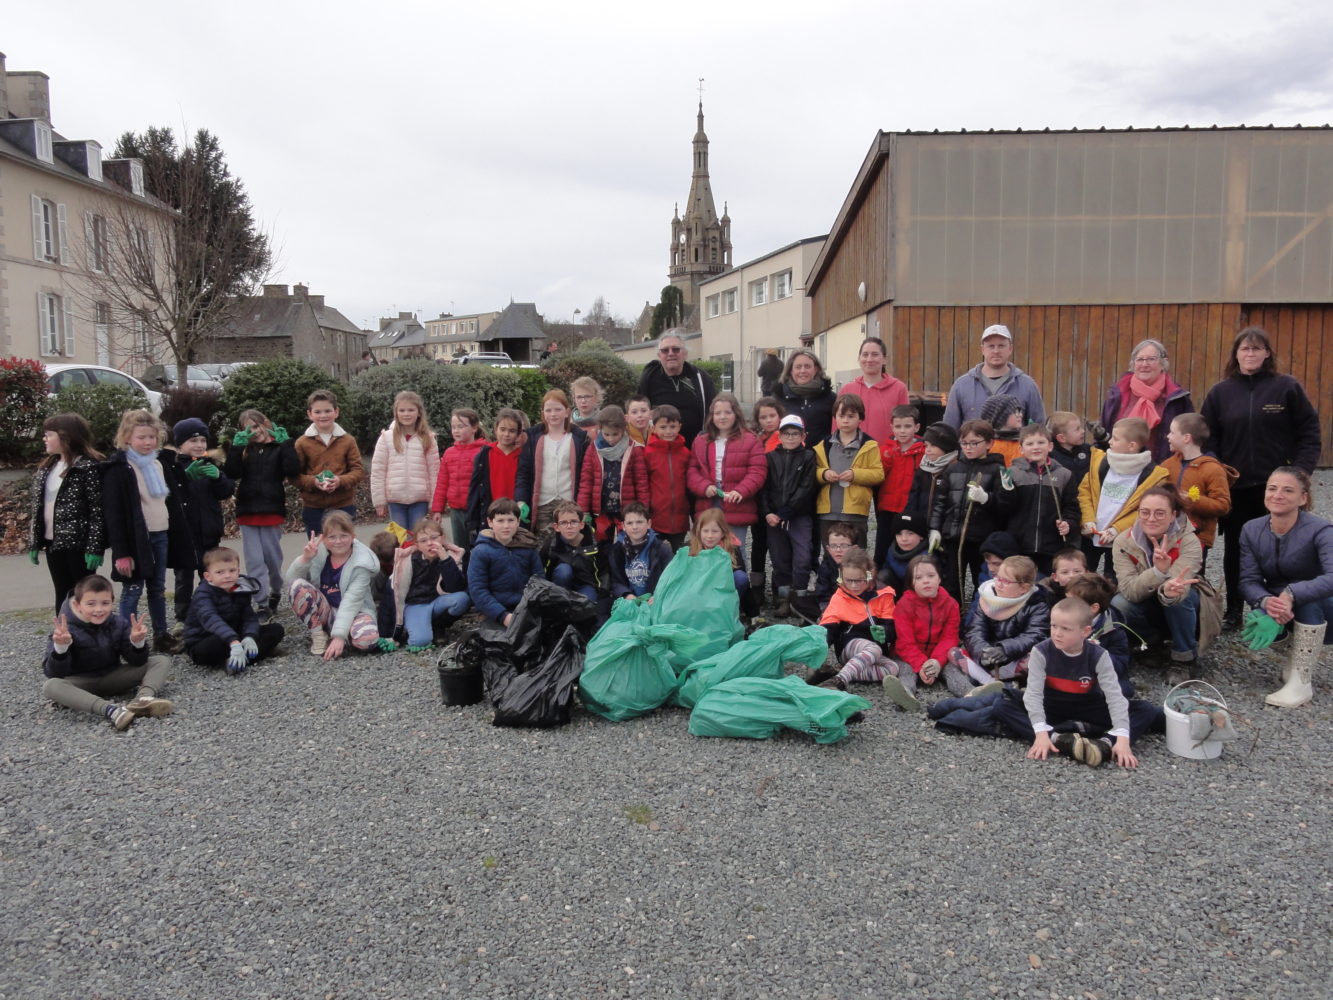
x: 1307, y: 644
x: 757, y: 584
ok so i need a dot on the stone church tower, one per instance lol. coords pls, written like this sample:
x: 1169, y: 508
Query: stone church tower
x: 700, y: 242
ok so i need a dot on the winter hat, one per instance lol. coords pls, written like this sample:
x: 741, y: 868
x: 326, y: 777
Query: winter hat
x: 188, y: 428
x: 791, y: 420
x: 999, y: 543
x: 997, y: 409
x: 942, y: 436
x: 907, y: 521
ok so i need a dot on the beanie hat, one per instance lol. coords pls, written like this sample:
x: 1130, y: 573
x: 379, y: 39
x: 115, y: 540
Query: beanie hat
x: 907, y: 521
x: 997, y: 409
x: 188, y: 428
x: 942, y: 436
x: 999, y: 543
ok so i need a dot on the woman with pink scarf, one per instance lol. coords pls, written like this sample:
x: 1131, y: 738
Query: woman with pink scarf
x: 1147, y: 391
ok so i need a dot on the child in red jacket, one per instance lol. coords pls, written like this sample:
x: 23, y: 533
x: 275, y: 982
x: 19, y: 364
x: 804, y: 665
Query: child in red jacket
x: 451, y: 486
x: 901, y: 457
x: 927, y: 623
x: 668, y: 461
x: 614, y: 474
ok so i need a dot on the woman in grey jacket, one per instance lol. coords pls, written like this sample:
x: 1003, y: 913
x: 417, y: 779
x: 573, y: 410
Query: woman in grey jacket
x: 1286, y: 575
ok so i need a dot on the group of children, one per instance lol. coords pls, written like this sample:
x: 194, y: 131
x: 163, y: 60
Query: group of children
x: 993, y: 502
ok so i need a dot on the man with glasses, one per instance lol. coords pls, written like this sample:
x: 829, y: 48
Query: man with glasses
x: 671, y: 379
x: 995, y: 375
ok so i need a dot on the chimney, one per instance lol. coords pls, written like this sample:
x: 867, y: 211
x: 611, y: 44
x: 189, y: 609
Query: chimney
x: 29, y: 94
x: 406, y: 315
x: 275, y: 291
x: 4, y: 90
x: 300, y: 291
x: 316, y: 300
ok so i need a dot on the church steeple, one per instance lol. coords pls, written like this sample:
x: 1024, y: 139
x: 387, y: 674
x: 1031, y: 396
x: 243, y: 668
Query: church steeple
x: 700, y: 242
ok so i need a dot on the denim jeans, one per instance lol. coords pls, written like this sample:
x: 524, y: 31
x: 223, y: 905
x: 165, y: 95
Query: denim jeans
x: 314, y: 517
x: 1148, y: 617
x: 419, y: 619
x: 156, y: 577
x: 408, y: 514
x: 1316, y: 613
x: 563, y: 576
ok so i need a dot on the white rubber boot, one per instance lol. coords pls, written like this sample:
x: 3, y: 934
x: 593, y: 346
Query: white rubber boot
x: 1307, y: 644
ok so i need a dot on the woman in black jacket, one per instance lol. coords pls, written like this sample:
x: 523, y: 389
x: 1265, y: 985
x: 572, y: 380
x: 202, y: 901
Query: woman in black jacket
x: 807, y: 392
x: 1258, y: 420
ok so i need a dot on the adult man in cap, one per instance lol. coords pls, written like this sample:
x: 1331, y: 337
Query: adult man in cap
x: 671, y: 379
x: 993, y: 376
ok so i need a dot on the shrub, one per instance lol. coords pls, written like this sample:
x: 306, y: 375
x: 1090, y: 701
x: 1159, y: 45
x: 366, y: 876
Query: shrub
x: 101, y: 405
x: 617, y: 377
x: 713, y: 369
x: 206, y: 404
x: 277, y: 388
x: 442, y: 388
x: 532, y: 386
x: 23, y: 405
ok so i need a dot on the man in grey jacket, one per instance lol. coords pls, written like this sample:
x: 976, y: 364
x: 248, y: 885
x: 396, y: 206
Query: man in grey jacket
x: 993, y: 376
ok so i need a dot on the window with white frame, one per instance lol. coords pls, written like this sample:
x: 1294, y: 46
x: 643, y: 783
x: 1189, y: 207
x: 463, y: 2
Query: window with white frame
x: 136, y: 178
x: 102, y: 331
x: 94, y: 161
x: 759, y: 292
x: 45, y: 151
x: 781, y: 285
x: 55, y: 326
x: 95, y: 233
x: 729, y: 300
x: 50, y: 237
x: 714, y: 305
x: 139, y: 336
x: 141, y: 255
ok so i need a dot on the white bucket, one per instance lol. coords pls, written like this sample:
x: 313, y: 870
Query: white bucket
x: 1178, y: 739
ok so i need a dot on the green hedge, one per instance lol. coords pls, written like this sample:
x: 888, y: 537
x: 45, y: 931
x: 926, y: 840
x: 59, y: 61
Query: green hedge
x: 101, y: 406
x: 617, y: 377
x: 277, y: 388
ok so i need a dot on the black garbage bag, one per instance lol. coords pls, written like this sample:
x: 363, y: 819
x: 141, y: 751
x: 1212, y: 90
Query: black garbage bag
x: 532, y: 666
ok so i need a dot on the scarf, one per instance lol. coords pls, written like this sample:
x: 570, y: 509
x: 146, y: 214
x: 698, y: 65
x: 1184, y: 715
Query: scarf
x: 612, y: 452
x: 1144, y: 400
x: 150, y: 470
x: 937, y: 465
x: 810, y: 390
x: 1126, y: 465
x: 998, y: 608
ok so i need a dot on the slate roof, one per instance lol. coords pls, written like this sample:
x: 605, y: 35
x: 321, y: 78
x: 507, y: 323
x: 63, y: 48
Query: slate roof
x: 518, y: 321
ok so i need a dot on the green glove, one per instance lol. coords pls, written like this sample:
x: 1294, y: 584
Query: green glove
x: 587, y: 519
x: 385, y: 645
x: 241, y: 438
x: 524, y: 511
x: 192, y: 471
x: 92, y: 560
x: 1260, y: 630
x: 206, y: 469
x: 32, y: 556
x: 280, y: 434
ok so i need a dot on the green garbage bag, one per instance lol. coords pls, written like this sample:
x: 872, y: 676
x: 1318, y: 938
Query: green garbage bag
x: 700, y: 592
x: 627, y: 669
x: 763, y: 654
x: 755, y: 708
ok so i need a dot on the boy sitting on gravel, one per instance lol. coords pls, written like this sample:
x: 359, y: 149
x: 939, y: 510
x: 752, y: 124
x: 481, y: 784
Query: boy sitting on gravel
x: 222, y: 628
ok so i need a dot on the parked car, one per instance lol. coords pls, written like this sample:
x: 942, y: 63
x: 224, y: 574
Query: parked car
x: 497, y: 359
x: 216, y: 370
x: 62, y: 376
x: 163, y: 377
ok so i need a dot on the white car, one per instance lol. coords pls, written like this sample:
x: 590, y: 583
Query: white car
x: 62, y: 376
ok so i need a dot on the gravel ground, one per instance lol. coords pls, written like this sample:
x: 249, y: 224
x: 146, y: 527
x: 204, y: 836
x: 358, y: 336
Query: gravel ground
x: 315, y: 830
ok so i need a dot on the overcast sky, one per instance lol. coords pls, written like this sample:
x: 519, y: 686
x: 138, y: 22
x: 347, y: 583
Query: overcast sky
x: 409, y: 156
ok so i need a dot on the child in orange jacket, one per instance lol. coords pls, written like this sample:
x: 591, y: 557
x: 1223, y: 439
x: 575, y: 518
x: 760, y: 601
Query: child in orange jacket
x: 859, y: 620
x: 1204, y: 483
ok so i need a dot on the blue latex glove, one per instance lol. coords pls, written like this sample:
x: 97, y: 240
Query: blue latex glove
x: 280, y: 435
x: 236, y: 661
x: 92, y: 560
x: 241, y: 438
x: 251, y: 648
x: 1260, y: 630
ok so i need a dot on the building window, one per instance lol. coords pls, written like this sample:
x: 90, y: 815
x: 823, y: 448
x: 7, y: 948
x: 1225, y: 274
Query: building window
x: 45, y: 151
x: 136, y: 178
x: 94, y: 161
x: 95, y: 234
x: 50, y: 240
x: 729, y: 300
x: 141, y: 255
x: 781, y: 285
x: 139, y: 336
x: 714, y: 304
x: 56, y: 331
x: 759, y: 292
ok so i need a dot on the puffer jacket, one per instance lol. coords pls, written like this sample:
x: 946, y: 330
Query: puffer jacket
x: 1175, y: 401
x: 587, y: 559
x: 899, y: 469
x: 744, y: 469
x: 927, y: 629
x: 1137, y: 580
x: 1258, y: 422
x: 1016, y: 635
x: 201, y: 499
x: 340, y: 456
x: 951, y: 504
x: 1301, y: 560
x: 1040, y: 497
x: 454, y: 475
x: 668, y: 499
x: 849, y: 616
x: 406, y: 476
x: 227, y: 614
x: 79, y: 523
x: 358, y: 597
x: 260, y: 472
x: 497, y: 573
x: 633, y: 479
x: 94, y: 649
x: 867, y: 473
x: 1090, y: 492
x: 789, y: 489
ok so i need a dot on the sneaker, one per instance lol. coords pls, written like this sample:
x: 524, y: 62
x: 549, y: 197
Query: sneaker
x: 264, y: 615
x: 151, y: 706
x: 121, y: 717
x: 167, y: 643
x: 319, y: 641
x: 899, y: 694
x: 994, y: 687
x: 820, y: 676
x: 1092, y: 752
x: 1066, y: 743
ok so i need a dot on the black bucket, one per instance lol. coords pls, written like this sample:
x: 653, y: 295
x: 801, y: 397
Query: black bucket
x: 460, y: 685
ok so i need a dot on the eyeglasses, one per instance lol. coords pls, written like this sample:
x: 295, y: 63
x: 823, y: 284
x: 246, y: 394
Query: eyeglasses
x: 670, y: 350
x: 838, y: 546
x: 1004, y: 581
x: 568, y: 524
x: 1153, y: 515
x: 973, y: 444
x: 852, y: 581
x: 1149, y: 359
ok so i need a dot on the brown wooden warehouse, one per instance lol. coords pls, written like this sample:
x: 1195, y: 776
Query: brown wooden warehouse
x: 1084, y: 243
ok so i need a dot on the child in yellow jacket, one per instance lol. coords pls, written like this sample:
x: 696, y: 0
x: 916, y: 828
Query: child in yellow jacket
x: 848, y: 468
x: 1108, y: 496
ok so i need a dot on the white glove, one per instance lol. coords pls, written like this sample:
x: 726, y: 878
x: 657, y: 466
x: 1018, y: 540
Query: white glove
x: 934, y: 540
x: 976, y: 494
x: 236, y: 661
x: 251, y: 648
